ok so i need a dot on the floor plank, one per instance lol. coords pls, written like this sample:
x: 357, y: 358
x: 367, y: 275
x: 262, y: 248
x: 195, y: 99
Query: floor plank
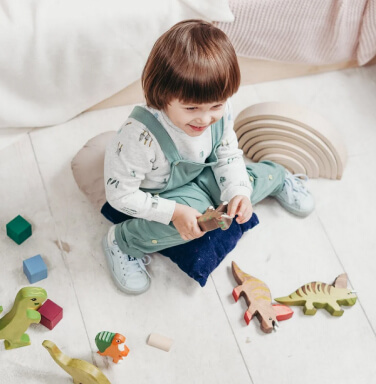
x: 286, y: 257
x: 23, y: 193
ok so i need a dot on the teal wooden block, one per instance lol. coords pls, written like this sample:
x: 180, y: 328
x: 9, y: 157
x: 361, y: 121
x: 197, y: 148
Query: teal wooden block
x: 19, y: 229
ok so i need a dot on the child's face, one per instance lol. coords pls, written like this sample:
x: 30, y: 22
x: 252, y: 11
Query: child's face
x: 194, y: 119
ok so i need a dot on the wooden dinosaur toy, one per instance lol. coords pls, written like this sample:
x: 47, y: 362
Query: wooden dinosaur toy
x: 259, y: 300
x: 111, y: 344
x: 215, y: 218
x: 24, y: 312
x: 320, y: 295
x: 81, y: 371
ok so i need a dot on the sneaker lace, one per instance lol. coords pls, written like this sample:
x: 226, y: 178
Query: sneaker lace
x: 296, y: 183
x: 132, y: 265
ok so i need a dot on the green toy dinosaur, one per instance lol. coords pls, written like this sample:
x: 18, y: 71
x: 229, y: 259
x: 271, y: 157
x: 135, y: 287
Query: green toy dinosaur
x: 320, y: 295
x: 23, y: 313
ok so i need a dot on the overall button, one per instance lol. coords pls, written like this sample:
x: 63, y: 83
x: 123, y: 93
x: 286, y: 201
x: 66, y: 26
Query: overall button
x: 154, y: 241
x: 270, y: 177
x: 251, y: 179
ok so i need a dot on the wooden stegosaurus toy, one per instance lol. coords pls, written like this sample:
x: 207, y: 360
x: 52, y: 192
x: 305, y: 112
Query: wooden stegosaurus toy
x: 320, y: 295
x: 24, y: 312
x: 259, y: 300
x: 112, y: 345
x: 215, y: 218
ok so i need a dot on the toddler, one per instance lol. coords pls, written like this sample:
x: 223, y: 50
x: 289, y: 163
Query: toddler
x: 178, y: 154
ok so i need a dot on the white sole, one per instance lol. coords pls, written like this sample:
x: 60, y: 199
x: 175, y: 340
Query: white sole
x: 295, y: 211
x: 114, y: 278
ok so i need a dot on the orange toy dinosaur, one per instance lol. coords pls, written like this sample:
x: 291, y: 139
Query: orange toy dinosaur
x: 258, y: 298
x: 108, y: 344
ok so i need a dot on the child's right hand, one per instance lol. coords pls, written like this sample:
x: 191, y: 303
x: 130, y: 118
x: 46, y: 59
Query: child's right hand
x: 185, y: 221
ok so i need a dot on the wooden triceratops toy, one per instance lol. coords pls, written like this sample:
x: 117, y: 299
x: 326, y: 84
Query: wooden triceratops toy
x: 215, y: 218
x: 259, y: 301
x: 320, y: 295
x: 112, y: 345
x: 24, y: 312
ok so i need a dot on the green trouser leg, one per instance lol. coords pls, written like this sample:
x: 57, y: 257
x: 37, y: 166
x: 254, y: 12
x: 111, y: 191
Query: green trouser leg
x: 267, y: 179
x: 136, y: 237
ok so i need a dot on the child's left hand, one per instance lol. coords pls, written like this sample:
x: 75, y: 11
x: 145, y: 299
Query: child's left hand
x: 241, y: 206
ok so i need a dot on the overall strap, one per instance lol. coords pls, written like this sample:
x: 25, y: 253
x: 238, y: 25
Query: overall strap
x: 217, y: 132
x: 164, y: 139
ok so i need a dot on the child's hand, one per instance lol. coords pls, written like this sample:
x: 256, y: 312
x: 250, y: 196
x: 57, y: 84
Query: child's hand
x: 185, y: 221
x: 241, y: 206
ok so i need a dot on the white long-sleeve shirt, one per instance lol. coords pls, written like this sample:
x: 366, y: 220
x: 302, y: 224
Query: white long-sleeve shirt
x: 135, y: 160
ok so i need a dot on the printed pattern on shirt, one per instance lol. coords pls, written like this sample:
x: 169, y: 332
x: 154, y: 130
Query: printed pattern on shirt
x: 135, y: 162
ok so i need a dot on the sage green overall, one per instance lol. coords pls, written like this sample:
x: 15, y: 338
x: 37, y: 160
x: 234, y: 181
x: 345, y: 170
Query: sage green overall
x: 191, y: 184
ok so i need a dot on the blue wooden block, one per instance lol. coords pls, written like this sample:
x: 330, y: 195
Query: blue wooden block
x: 35, y: 269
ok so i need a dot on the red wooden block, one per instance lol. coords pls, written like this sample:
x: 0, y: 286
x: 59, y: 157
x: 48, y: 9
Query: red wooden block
x: 51, y: 314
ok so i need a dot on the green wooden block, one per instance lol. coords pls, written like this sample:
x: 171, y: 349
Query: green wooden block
x: 19, y: 229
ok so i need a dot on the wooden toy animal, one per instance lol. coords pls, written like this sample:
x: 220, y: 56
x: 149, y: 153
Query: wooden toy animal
x: 320, y: 295
x: 259, y: 300
x: 81, y: 371
x: 23, y: 313
x: 111, y: 344
x: 215, y: 218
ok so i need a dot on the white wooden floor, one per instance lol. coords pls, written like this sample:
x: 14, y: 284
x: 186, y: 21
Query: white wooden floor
x: 212, y: 343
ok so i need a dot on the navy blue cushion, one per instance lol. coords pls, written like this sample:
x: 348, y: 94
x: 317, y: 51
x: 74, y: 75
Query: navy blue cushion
x: 199, y: 257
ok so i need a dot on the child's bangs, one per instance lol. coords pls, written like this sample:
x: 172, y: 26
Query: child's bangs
x: 206, y: 84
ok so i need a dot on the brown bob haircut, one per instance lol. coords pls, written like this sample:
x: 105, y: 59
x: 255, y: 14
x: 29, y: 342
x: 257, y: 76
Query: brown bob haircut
x: 194, y: 62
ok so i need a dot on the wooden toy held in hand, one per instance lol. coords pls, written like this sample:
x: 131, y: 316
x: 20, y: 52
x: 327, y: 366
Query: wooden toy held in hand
x: 258, y: 298
x: 81, y: 371
x: 112, y: 345
x: 215, y: 218
x: 23, y: 313
x: 320, y: 295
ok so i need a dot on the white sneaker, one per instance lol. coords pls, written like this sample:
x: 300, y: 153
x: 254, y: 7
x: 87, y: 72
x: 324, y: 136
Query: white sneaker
x: 128, y: 273
x: 294, y: 196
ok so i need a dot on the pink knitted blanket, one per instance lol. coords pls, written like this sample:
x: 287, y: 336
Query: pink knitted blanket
x: 315, y: 32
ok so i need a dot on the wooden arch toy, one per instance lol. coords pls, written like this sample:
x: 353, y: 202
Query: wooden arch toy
x: 292, y: 136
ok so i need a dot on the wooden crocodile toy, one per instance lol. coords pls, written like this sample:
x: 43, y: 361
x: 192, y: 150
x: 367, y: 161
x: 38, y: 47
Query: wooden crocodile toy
x: 81, y: 371
x: 23, y: 313
x: 259, y: 301
x: 320, y: 295
x: 112, y: 345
